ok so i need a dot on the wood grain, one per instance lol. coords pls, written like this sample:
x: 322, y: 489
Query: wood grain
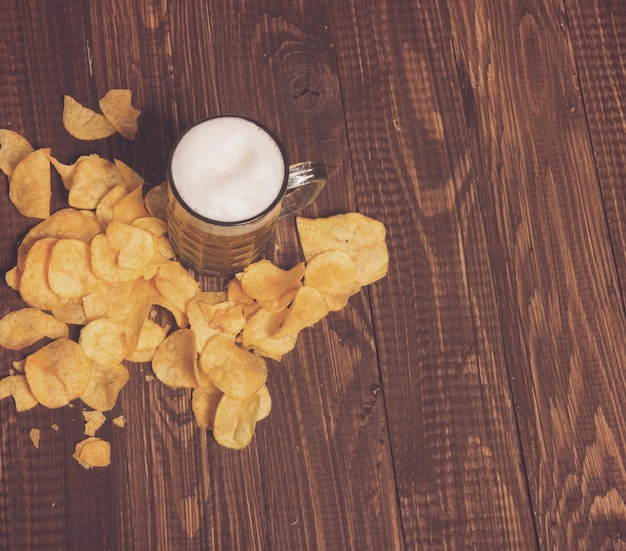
x: 473, y: 398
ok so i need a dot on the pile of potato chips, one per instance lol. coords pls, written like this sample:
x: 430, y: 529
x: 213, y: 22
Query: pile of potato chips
x: 105, y: 265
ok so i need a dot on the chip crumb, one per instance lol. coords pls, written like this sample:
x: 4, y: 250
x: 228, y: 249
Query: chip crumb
x: 92, y: 452
x: 35, y: 435
x: 55, y: 427
x: 149, y: 378
x: 93, y: 421
x: 119, y: 421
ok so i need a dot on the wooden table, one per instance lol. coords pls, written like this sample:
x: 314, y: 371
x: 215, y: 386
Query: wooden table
x: 472, y: 399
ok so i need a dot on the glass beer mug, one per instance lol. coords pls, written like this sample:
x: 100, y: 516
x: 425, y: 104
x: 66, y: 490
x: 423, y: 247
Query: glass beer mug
x: 228, y: 184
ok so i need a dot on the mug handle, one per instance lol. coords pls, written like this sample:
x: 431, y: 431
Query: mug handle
x: 306, y: 181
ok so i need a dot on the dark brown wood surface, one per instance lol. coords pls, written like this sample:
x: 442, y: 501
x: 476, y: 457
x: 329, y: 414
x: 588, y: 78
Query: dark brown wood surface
x: 474, y: 398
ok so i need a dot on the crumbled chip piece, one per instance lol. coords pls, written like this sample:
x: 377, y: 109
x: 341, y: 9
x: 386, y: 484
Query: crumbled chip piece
x: 93, y: 421
x: 35, y: 436
x: 92, y: 452
x: 119, y: 421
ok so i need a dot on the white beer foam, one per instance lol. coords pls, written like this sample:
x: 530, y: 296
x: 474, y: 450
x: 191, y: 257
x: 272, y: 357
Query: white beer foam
x: 227, y: 169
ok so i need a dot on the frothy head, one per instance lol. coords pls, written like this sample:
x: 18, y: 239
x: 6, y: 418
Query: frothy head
x: 228, y: 169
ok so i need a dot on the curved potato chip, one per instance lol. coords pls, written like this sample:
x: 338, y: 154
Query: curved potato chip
x: 235, y: 421
x: 151, y: 336
x: 21, y: 328
x: 34, y: 287
x: 155, y: 226
x: 174, y: 362
x: 93, y: 178
x: 265, y: 281
x: 105, y: 264
x: 64, y: 223
x: 133, y: 179
x: 210, y: 314
x: 334, y: 275
x: 17, y: 387
x: 84, y: 123
x: 116, y: 105
x: 136, y: 247
x: 103, y: 341
x: 359, y: 236
x: 29, y: 186
x: 176, y: 284
x: 57, y: 373
x: 234, y: 371
x: 130, y: 208
x: 104, y: 210
x: 13, y: 148
x: 204, y: 401
x: 265, y: 403
x: 258, y: 335
x: 73, y: 313
x: 105, y: 385
x: 92, y: 452
x: 69, y: 269
x: 307, y: 308
x: 156, y: 201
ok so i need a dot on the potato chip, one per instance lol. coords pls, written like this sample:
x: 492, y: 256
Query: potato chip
x: 34, y: 287
x: 151, y: 336
x: 84, y: 123
x: 156, y: 201
x: 13, y: 148
x: 65, y: 223
x: 174, y: 362
x: 334, y: 275
x: 35, y: 437
x: 103, y: 341
x: 359, y: 236
x: 265, y: 281
x: 133, y: 179
x: 105, y: 385
x: 104, y: 210
x: 307, y: 309
x: 12, y: 278
x: 105, y: 264
x: 72, y: 313
x: 235, y: 421
x: 210, y: 314
x: 69, y: 269
x: 21, y: 328
x: 57, y: 373
x: 258, y: 335
x: 116, y: 105
x: 265, y: 403
x: 176, y: 284
x: 157, y: 298
x: 130, y: 208
x: 155, y: 226
x: 29, y: 186
x: 93, y: 421
x: 119, y: 421
x: 204, y: 401
x: 17, y: 387
x: 93, y: 178
x: 92, y: 452
x: 136, y: 247
x: 233, y: 370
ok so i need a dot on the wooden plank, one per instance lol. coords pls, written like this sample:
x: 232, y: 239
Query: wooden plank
x: 246, y: 60
x: 563, y: 321
x: 45, y: 501
x: 453, y: 433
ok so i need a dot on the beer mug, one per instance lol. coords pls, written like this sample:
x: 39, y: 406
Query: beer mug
x: 228, y: 183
